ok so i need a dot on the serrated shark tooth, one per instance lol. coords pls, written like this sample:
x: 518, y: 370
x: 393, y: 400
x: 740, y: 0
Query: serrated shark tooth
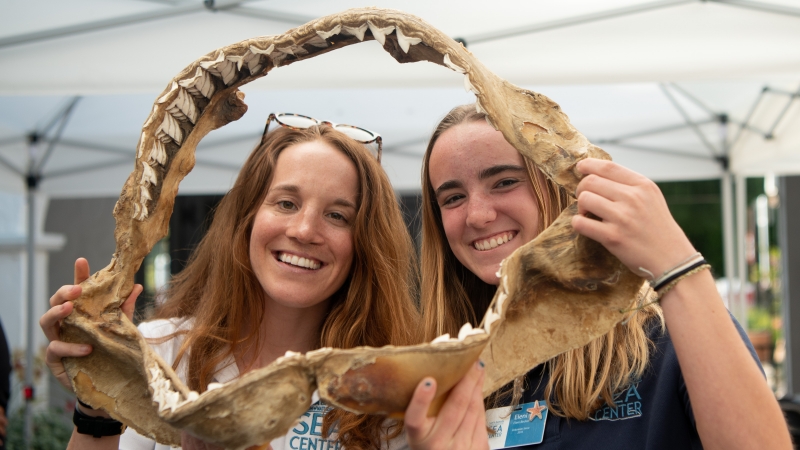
x: 356, y: 31
x: 166, y: 96
x: 200, y: 85
x: 452, y: 65
x: 148, y: 175
x: 158, y: 153
x: 183, y: 107
x: 405, y: 41
x: 259, y: 51
x: 140, y: 152
x: 380, y: 33
x: 169, y: 130
x: 333, y: 32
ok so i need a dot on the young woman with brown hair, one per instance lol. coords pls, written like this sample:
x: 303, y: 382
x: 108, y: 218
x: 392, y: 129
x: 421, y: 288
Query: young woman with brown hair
x: 307, y: 250
x: 482, y: 200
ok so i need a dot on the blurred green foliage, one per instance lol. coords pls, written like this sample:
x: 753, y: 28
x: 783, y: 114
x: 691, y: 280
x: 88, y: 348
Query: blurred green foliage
x: 697, y: 207
x: 50, y: 432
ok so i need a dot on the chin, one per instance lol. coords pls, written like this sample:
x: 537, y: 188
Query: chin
x: 490, y: 277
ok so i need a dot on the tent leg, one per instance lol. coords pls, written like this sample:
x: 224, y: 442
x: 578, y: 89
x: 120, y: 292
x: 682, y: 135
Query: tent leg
x: 728, y: 233
x: 29, y: 394
x: 739, y: 307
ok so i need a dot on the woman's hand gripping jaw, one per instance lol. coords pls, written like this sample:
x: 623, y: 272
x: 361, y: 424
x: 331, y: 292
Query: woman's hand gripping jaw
x: 461, y: 423
x: 60, y: 307
x: 635, y: 223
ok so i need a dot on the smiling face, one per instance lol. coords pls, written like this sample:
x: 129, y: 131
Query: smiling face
x: 486, y: 200
x: 301, y: 245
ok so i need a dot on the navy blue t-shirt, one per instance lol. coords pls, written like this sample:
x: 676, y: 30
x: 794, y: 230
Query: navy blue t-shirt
x: 652, y: 414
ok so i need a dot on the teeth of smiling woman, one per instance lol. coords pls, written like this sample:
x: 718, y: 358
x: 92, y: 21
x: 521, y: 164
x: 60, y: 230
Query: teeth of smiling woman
x: 488, y: 244
x: 298, y: 261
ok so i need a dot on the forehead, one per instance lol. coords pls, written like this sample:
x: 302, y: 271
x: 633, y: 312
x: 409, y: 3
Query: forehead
x: 468, y: 148
x: 318, y: 167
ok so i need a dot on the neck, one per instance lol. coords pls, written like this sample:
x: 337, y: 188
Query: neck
x: 285, y: 329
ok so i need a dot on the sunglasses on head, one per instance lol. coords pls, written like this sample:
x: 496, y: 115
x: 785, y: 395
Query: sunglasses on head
x: 300, y: 122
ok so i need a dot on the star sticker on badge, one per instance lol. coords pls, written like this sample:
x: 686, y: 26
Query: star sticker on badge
x: 536, y: 411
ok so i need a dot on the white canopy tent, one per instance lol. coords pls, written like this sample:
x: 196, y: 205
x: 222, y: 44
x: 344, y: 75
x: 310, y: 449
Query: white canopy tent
x: 602, y: 61
x: 675, y: 89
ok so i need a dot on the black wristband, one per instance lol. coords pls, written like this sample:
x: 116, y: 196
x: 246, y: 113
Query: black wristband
x: 96, y: 426
x: 678, y: 274
x: 87, y: 406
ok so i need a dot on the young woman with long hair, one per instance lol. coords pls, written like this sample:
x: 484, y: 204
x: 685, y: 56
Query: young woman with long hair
x: 679, y: 373
x: 307, y: 250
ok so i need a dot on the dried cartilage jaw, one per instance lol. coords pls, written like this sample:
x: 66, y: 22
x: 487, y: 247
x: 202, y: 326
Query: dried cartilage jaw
x: 541, y: 308
x: 537, y: 313
x: 260, y: 405
x: 382, y: 380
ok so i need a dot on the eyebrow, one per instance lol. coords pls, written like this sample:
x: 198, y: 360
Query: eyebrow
x: 483, y: 174
x: 447, y: 185
x: 296, y: 190
x: 494, y: 170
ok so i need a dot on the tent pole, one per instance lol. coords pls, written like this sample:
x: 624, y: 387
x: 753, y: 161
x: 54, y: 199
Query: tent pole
x: 32, y: 182
x: 727, y: 232
x: 740, y: 312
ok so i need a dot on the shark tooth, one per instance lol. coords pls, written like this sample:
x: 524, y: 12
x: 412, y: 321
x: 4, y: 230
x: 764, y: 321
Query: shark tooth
x: 164, y: 97
x: 450, y: 64
x: 169, y: 130
x: 380, y: 33
x: 148, y: 175
x: 333, y: 32
x: 200, y: 85
x: 356, y: 31
x: 405, y: 41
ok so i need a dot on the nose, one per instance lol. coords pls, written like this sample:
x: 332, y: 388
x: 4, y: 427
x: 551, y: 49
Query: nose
x: 304, y: 227
x: 480, y: 211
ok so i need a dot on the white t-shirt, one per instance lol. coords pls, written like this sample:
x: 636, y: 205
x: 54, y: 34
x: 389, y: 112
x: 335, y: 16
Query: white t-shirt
x: 306, y: 434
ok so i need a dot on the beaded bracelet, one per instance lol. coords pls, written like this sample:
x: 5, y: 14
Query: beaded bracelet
x: 663, y: 284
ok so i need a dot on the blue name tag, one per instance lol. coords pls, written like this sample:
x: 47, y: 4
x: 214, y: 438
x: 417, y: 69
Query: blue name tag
x: 522, y: 426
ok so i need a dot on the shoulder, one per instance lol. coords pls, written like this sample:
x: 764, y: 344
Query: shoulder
x: 154, y: 329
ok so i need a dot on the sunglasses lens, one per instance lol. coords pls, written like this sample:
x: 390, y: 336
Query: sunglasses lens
x: 295, y: 121
x: 357, y: 134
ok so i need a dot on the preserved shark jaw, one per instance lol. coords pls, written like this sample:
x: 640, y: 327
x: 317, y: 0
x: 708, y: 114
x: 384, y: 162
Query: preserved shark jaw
x: 557, y: 292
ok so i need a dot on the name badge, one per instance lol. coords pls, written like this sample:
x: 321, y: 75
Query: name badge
x: 522, y: 426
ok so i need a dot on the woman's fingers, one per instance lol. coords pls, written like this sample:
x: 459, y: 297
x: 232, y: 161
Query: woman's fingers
x: 130, y: 303
x: 609, y: 189
x: 458, y: 400
x: 81, y: 270
x: 598, y: 204
x: 473, y: 428
x: 610, y: 170
x: 636, y: 224
x: 50, y: 322
x: 57, y: 350
x: 417, y: 422
x: 65, y: 293
x: 460, y: 421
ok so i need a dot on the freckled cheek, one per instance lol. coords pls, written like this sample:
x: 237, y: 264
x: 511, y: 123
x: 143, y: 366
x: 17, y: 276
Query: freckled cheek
x: 453, y: 224
x: 343, y: 248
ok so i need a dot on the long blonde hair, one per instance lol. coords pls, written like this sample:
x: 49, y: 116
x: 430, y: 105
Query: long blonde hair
x: 374, y: 307
x: 580, y: 379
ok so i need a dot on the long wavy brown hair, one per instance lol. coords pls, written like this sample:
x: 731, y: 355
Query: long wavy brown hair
x: 220, y: 293
x: 580, y: 379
